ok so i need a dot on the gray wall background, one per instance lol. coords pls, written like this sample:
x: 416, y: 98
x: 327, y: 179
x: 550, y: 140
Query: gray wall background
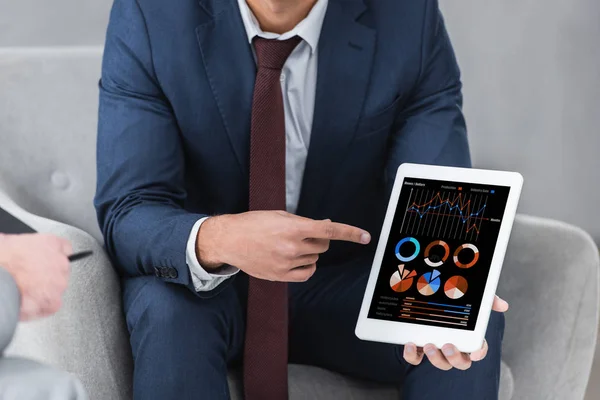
x: 531, y: 71
x: 53, y: 22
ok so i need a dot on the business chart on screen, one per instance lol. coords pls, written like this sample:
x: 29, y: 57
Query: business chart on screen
x: 439, y: 253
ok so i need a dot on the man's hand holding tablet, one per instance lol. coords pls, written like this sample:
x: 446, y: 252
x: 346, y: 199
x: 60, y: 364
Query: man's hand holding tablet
x: 449, y: 357
x: 435, y: 273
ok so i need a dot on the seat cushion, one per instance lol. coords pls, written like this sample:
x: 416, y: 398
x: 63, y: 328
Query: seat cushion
x: 312, y: 383
x: 88, y: 336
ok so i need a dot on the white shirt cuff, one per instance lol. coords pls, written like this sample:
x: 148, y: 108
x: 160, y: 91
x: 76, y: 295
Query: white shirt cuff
x: 204, y: 281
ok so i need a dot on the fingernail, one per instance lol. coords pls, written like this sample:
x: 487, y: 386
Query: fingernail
x: 430, y: 351
x: 448, y: 351
x: 365, y: 238
x: 410, y: 348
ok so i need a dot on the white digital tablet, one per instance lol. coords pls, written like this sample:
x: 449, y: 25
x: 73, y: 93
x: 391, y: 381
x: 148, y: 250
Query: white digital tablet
x: 439, y: 256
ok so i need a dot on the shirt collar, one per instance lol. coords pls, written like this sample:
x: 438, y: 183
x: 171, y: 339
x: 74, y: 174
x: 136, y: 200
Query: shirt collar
x: 309, y: 29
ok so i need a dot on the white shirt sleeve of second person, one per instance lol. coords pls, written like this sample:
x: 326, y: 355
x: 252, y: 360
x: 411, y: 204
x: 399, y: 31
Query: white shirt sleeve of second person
x: 204, y: 281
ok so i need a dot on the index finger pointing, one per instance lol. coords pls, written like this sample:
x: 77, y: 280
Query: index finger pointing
x: 336, y: 231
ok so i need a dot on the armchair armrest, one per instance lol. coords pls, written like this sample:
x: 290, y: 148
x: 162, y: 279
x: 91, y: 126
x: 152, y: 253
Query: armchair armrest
x: 550, y: 278
x: 88, y: 335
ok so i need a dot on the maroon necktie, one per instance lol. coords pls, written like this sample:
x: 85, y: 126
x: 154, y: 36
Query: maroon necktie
x: 266, y: 346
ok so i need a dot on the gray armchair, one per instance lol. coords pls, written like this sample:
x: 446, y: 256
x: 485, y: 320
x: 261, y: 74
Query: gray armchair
x: 47, y: 136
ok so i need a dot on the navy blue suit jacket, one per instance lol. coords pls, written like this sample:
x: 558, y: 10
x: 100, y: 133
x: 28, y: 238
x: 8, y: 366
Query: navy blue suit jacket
x: 174, y: 120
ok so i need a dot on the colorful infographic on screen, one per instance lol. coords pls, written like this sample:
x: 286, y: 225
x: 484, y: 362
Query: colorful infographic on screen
x: 439, y: 253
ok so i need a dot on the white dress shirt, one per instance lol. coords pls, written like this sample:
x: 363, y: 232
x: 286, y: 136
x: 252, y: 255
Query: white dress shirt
x: 298, y: 85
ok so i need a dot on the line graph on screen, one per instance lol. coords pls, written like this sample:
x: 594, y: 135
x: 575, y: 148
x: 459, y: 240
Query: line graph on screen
x: 445, y: 214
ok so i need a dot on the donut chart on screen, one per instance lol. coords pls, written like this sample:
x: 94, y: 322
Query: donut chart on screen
x: 402, y: 279
x: 414, y: 255
x: 456, y: 287
x: 429, y: 283
x: 468, y: 246
x: 436, y: 261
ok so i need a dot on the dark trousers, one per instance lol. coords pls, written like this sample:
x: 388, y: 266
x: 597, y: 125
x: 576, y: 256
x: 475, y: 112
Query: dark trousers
x: 183, y: 344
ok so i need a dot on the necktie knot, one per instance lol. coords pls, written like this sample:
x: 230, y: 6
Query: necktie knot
x: 272, y: 53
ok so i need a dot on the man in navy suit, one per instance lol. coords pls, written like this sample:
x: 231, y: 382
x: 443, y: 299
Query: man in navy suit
x: 246, y: 153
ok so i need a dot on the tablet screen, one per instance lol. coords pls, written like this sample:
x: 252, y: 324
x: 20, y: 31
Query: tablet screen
x: 439, y: 253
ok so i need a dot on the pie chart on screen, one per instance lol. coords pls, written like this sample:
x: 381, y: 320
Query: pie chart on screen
x: 402, y: 279
x: 429, y: 283
x: 456, y: 287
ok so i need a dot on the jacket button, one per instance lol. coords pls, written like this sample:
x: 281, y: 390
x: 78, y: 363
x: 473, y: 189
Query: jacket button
x: 173, y: 273
x: 156, y: 272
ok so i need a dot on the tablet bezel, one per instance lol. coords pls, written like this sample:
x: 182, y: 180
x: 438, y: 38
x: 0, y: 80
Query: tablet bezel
x: 397, y: 332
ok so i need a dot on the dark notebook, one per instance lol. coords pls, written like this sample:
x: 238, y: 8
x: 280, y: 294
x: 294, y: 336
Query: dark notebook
x: 10, y: 224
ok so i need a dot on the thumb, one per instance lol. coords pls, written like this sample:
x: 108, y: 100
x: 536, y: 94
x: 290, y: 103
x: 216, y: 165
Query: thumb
x: 499, y: 305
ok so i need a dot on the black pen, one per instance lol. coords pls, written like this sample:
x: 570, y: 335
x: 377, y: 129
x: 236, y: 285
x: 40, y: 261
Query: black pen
x: 80, y: 256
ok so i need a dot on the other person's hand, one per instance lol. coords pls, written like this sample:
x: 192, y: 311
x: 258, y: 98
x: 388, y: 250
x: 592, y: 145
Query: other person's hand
x: 40, y: 267
x: 449, y: 357
x: 270, y: 245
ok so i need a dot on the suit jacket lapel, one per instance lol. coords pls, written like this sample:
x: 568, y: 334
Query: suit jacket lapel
x: 231, y: 70
x: 346, y: 50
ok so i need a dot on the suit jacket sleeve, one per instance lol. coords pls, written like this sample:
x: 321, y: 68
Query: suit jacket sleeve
x: 140, y: 158
x: 431, y: 127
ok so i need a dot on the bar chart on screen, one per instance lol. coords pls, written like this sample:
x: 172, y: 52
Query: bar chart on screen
x: 448, y: 214
x: 440, y: 313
